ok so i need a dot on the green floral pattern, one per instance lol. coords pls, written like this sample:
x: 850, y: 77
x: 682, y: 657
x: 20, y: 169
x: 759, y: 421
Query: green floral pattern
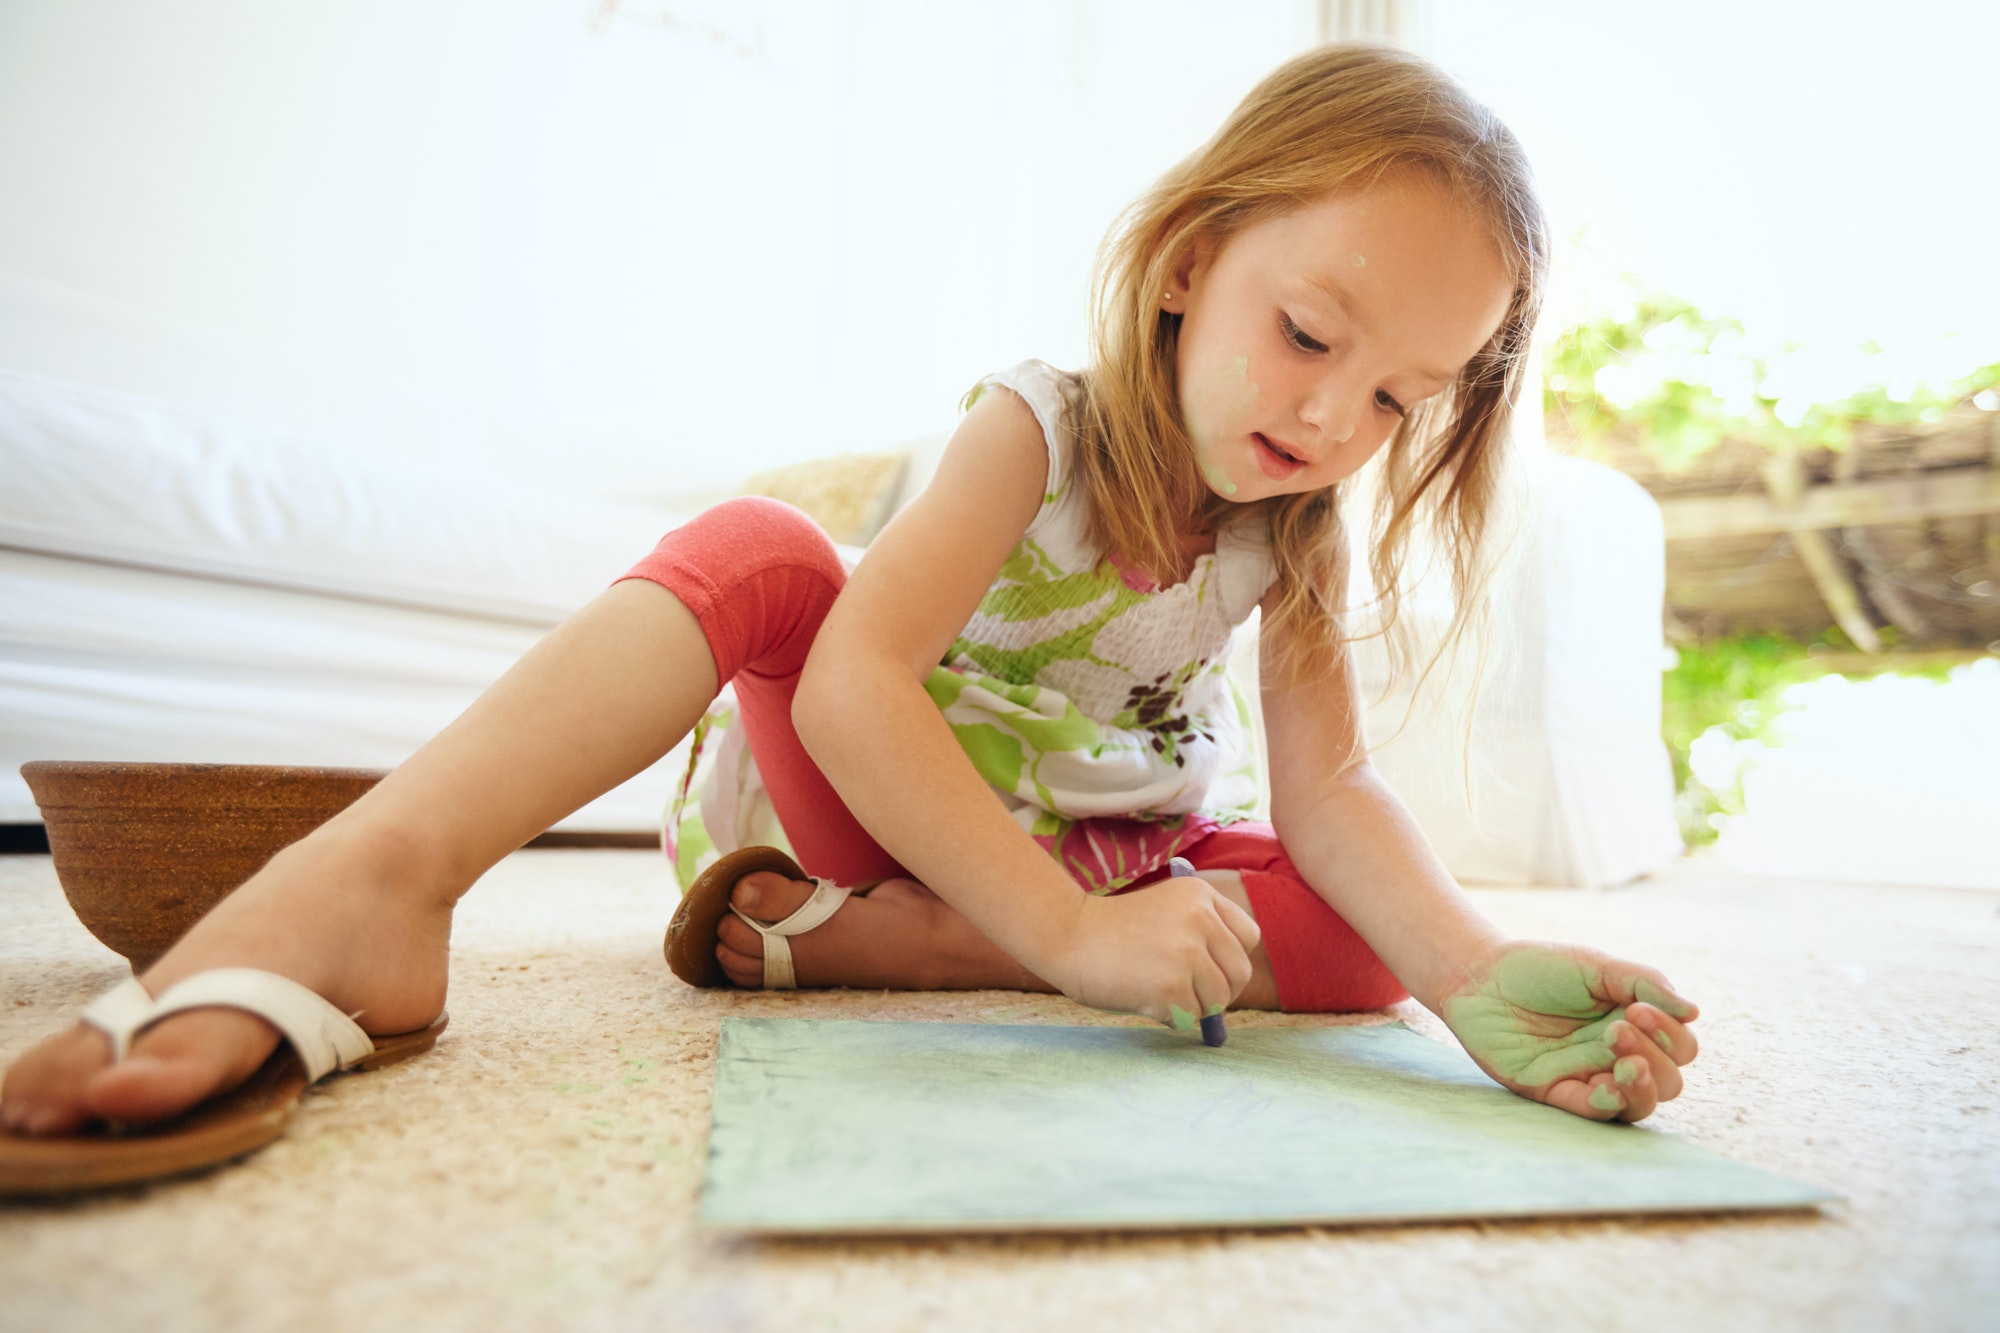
x: 1094, y: 702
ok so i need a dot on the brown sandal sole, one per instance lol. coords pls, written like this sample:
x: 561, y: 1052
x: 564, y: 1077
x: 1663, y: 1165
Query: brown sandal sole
x: 690, y: 942
x: 239, y: 1121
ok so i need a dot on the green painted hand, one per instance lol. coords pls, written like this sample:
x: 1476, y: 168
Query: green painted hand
x: 1575, y: 1028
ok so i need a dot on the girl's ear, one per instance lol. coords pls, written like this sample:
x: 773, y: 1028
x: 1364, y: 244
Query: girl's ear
x: 1187, y: 272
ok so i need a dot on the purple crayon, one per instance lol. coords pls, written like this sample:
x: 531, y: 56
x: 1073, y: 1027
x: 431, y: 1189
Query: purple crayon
x: 1214, y: 1027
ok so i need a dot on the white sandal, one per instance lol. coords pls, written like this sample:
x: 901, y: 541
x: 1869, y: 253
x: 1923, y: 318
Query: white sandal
x: 322, y: 1037
x: 321, y: 1040
x: 691, y: 935
x: 825, y: 901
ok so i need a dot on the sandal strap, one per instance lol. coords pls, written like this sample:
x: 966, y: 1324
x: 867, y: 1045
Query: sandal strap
x: 825, y: 901
x: 325, y: 1038
x: 118, y: 1013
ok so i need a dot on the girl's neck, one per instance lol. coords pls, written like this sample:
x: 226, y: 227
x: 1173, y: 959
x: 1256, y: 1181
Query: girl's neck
x: 1195, y: 545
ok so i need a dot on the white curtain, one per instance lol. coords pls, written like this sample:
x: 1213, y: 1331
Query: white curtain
x: 1407, y: 23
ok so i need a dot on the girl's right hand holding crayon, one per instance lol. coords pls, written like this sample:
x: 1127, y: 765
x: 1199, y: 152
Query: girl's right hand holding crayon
x: 1174, y: 953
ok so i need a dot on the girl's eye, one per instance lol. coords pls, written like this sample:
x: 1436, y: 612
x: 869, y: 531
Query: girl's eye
x: 1298, y: 337
x: 1383, y: 399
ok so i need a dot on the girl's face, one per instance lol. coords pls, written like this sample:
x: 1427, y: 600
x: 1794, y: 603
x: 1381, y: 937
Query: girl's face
x: 1305, y: 337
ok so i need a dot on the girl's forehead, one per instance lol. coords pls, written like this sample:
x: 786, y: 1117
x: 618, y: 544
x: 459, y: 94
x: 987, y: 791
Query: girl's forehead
x: 1403, y: 256
x: 1405, y: 213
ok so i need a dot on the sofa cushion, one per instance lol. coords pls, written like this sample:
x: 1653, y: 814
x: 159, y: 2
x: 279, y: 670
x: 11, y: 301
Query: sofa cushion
x: 98, y: 475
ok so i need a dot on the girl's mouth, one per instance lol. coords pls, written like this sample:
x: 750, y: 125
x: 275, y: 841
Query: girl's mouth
x: 1274, y: 460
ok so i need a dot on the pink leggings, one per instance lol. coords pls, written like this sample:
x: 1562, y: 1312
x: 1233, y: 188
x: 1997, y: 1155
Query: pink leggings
x: 760, y: 577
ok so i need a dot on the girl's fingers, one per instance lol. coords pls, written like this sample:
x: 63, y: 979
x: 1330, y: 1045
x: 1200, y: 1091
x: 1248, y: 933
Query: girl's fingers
x: 1241, y: 924
x: 1584, y: 1097
x: 1182, y: 1014
x: 1626, y: 1092
x: 1232, y: 959
x: 1674, y: 1038
x: 1632, y: 1079
x: 1213, y: 989
x: 1633, y: 1042
x: 1629, y: 983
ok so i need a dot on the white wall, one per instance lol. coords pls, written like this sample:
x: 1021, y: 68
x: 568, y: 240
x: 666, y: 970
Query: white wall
x: 643, y: 246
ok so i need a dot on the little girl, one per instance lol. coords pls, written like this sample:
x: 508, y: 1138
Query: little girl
x: 1015, y: 709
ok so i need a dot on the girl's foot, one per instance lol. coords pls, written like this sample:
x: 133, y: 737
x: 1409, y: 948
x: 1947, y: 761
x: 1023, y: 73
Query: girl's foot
x: 901, y: 936
x: 350, y: 915
x: 898, y: 935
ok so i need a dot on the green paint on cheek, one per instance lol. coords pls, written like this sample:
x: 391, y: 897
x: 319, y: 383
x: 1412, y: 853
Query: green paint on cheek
x: 1183, y: 1020
x: 1604, y: 1099
x: 1653, y: 995
x: 1213, y: 405
x: 1536, y: 1018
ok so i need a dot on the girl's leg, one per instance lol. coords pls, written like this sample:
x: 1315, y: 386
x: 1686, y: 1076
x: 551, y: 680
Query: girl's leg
x: 360, y: 911
x: 1309, y: 961
x: 761, y: 593
x: 761, y: 585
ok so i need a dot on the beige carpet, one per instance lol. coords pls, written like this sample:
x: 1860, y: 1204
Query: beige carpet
x: 540, y: 1168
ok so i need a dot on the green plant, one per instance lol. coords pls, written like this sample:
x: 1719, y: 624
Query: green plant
x: 1736, y: 685
x: 1735, y: 690
x: 1685, y: 380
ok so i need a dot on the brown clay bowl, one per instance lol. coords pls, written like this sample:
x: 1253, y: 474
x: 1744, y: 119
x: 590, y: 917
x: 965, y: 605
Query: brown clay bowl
x: 145, y: 850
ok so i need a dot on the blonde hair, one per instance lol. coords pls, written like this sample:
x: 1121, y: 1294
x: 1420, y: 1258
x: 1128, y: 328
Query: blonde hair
x: 1336, y: 118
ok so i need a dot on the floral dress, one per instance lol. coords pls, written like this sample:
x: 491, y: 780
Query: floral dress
x: 1094, y: 702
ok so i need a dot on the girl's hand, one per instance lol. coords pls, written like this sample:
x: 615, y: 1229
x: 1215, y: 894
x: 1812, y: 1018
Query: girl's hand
x: 1176, y: 952
x: 1595, y: 1035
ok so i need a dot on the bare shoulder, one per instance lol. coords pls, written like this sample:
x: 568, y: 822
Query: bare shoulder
x: 996, y: 458
x: 924, y: 574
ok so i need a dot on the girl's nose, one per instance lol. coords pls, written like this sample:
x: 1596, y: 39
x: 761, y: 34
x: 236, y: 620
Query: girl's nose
x: 1333, y: 411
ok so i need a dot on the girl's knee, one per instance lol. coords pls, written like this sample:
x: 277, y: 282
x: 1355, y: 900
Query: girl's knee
x: 757, y: 574
x: 754, y: 531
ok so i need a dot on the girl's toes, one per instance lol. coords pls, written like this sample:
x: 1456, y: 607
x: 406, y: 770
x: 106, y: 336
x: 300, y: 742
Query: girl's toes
x: 742, y: 969
x: 185, y: 1059
x: 739, y: 938
x: 44, y: 1092
x: 768, y: 896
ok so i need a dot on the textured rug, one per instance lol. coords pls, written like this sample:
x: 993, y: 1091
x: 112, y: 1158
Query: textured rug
x: 541, y: 1167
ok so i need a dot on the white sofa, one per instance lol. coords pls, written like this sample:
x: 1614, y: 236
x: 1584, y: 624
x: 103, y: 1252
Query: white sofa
x: 176, y: 585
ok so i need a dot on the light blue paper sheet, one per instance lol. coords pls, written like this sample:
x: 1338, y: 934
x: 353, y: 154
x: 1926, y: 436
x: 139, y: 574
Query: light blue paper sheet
x: 898, y: 1127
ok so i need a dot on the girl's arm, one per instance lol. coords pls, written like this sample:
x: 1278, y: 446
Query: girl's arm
x: 864, y: 717
x: 1592, y: 1034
